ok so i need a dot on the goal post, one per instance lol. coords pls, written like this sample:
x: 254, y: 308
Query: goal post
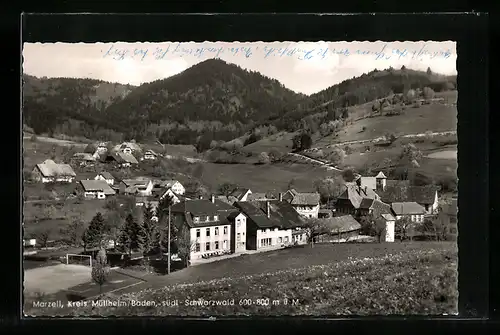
x: 79, y: 259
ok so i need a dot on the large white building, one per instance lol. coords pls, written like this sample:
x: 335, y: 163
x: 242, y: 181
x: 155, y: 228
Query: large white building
x: 306, y: 204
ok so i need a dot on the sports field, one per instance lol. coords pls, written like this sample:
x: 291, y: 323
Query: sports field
x: 51, y: 279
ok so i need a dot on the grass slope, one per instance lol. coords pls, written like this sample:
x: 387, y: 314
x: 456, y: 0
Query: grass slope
x: 395, y: 278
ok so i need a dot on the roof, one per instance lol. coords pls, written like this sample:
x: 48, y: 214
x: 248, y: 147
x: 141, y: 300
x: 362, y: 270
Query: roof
x: 407, y: 208
x: 136, y: 182
x: 97, y: 185
x: 304, y: 198
x: 106, y: 175
x: 388, y: 217
x: 380, y: 175
x: 336, y: 224
x: 168, y: 183
x: 282, y: 214
x: 226, y: 199
x: 355, y: 195
x: 260, y: 197
x: 239, y: 192
x: 122, y: 157
x: 51, y: 169
x: 131, y: 145
x: 151, y: 152
x: 405, y: 193
x: 196, y: 207
x: 84, y: 156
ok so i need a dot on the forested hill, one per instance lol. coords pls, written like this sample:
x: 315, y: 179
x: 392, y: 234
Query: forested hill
x: 365, y: 88
x: 213, y: 96
x: 69, y: 105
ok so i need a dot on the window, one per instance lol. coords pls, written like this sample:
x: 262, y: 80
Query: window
x: 238, y: 237
x: 208, y: 231
x: 198, y: 233
x: 207, y: 246
x: 216, y: 245
x: 265, y: 242
x: 197, y: 247
x: 224, y: 244
x: 286, y: 239
x: 216, y: 231
x: 280, y: 239
x: 275, y: 229
x: 202, y: 219
x: 225, y: 230
x: 196, y: 219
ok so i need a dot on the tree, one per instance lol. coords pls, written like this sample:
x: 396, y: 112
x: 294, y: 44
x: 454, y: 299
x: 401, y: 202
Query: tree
x: 313, y: 228
x: 403, y: 227
x: 227, y: 188
x: 328, y: 188
x: 130, y: 238
x: 410, y: 154
x: 348, y: 175
x: 337, y: 156
x: 428, y: 93
x: 403, y: 68
x: 275, y: 155
x: 372, y: 226
x: 94, y: 235
x: 100, y: 269
x: 74, y: 231
x: 198, y: 171
x: 302, y: 142
x: 43, y: 237
x: 411, y: 95
x: 429, y: 72
x: 150, y: 231
x: 264, y: 158
x: 90, y: 149
x: 184, y: 244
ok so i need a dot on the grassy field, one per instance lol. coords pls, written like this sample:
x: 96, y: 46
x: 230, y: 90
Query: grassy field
x: 434, y: 117
x: 268, y: 178
x: 343, y: 279
x: 281, y: 142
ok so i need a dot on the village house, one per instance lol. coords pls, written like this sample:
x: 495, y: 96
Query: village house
x: 173, y: 185
x: 96, y: 189
x: 271, y: 224
x: 349, y: 201
x: 260, y: 197
x: 106, y: 176
x: 100, y: 150
x: 122, y: 159
x: 337, y: 229
x: 83, y: 159
x: 49, y: 172
x: 127, y: 148
x: 426, y: 196
x: 378, y: 212
x: 210, y: 230
x: 149, y: 155
x: 306, y: 204
x: 139, y: 186
x: 238, y: 230
x: 160, y: 193
x: 411, y: 210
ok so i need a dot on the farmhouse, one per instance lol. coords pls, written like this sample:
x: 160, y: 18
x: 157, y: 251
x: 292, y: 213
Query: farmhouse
x: 83, y: 159
x: 106, y: 176
x: 411, y: 210
x: 127, y: 148
x: 210, y: 231
x: 306, y: 204
x: 338, y: 228
x: 139, y: 186
x: 373, y: 207
x: 96, y: 189
x: 150, y: 155
x: 426, y: 196
x: 271, y: 224
x: 100, y: 149
x: 49, y: 171
x: 350, y: 200
x: 173, y: 185
x: 160, y: 193
x: 123, y: 159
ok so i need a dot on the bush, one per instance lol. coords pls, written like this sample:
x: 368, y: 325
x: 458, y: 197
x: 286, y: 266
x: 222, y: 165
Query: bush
x: 348, y: 150
x: 264, y: 158
x: 428, y: 93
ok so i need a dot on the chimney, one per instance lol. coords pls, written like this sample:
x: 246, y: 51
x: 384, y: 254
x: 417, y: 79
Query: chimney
x: 281, y: 196
x: 268, y: 206
x: 213, y: 198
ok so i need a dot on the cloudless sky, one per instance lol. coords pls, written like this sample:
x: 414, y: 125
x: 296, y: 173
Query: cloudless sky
x: 303, y: 67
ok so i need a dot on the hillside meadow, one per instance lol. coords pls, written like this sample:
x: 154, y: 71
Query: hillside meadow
x: 418, y: 278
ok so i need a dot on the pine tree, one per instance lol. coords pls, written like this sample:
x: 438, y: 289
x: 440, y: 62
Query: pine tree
x: 150, y: 233
x: 162, y: 208
x: 130, y: 238
x: 94, y: 235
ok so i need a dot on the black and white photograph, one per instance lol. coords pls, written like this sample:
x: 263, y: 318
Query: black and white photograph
x: 228, y: 178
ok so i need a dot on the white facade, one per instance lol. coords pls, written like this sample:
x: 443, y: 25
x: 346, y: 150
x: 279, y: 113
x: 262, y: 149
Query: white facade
x: 171, y: 194
x: 388, y: 233
x: 146, y: 191
x: 95, y: 195
x: 177, y: 188
x: 273, y: 238
x: 208, y: 240
x: 245, y: 196
x: 307, y: 211
x: 149, y: 155
x: 418, y: 218
x: 432, y: 209
x: 240, y: 228
x: 127, y: 150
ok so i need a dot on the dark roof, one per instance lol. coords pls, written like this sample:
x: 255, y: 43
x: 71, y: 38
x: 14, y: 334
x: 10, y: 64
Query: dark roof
x: 239, y: 192
x: 96, y: 186
x: 302, y: 198
x: 406, y: 193
x: 407, y: 208
x: 355, y: 195
x: 196, y: 207
x: 283, y: 215
x: 223, y: 206
x: 122, y: 157
x: 260, y: 197
x: 336, y: 224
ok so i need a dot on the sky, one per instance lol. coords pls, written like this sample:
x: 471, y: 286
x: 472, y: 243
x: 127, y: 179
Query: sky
x: 304, y: 67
